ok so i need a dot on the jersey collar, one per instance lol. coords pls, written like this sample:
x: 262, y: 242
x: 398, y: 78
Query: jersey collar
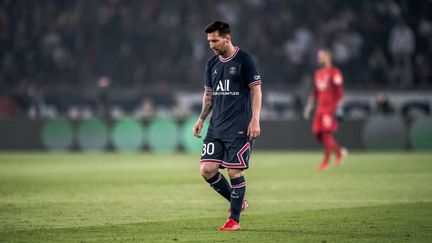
x: 230, y: 57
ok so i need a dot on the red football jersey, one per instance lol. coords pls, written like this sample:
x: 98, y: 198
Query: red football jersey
x: 328, y: 88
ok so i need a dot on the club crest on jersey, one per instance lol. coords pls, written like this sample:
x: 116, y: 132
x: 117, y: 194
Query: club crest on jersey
x: 223, y: 85
x: 322, y: 82
x: 322, y: 85
x: 232, y: 70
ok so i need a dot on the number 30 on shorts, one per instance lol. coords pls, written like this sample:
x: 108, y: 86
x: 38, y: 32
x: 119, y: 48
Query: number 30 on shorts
x: 207, y: 149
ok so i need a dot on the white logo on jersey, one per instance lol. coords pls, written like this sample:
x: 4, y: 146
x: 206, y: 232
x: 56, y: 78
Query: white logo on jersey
x: 322, y: 82
x: 338, y: 79
x: 223, y: 86
x: 322, y: 85
x: 215, y: 72
x: 257, y: 77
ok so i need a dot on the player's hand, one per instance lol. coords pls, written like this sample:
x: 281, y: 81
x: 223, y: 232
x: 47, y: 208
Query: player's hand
x: 254, y: 130
x: 196, y: 130
x: 306, y: 114
x: 307, y: 110
x: 339, y: 113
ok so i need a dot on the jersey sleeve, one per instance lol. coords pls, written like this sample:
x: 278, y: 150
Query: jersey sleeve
x: 337, y: 80
x: 250, y: 72
x: 208, y: 84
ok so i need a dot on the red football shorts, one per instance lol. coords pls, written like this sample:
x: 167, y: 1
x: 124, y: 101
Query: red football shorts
x: 324, y: 122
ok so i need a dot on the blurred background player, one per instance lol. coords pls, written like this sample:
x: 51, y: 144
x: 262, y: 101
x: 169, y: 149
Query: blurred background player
x: 233, y: 92
x: 328, y: 94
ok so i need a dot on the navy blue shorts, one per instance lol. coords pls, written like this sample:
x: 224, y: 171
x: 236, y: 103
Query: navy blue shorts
x: 227, y: 152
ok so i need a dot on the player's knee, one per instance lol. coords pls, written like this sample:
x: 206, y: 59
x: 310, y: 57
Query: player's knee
x: 208, y: 170
x: 235, y: 173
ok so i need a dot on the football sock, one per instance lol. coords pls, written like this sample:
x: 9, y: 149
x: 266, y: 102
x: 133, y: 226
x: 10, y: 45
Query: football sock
x: 321, y: 138
x: 237, y: 195
x: 220, y: 184
x: 326, y: 154
x: 330, y: 143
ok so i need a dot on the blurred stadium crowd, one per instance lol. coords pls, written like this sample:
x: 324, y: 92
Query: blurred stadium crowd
x: 50, y: 47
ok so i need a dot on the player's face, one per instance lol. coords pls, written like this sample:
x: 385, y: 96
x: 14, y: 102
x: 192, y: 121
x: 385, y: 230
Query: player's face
x: 218, y: 43
x: 323, y: 58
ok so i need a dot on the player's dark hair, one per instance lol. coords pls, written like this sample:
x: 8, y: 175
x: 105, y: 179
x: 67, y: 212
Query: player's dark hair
x: 220, y: 26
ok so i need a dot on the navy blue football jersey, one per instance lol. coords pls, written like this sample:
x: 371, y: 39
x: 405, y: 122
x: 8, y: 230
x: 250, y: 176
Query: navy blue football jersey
x: 230, y: 80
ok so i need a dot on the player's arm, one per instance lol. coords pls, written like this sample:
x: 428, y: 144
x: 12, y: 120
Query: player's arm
x: 338, y: 84
x: 207, y: 104
x: 253, y: 79
x: 310, y: 102
x: 339, y: 104
x: 205, y: 111
x: 309, y: 106
x: 254, y: 129
x: 339, y: 96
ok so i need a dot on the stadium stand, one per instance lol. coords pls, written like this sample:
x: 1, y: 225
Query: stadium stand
x: 112, y: 59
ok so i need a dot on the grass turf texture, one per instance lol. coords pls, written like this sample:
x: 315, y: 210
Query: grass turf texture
x: 374, y: 197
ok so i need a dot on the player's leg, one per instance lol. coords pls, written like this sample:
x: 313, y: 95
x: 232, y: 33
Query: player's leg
x: 211, y: 158
x: 238, y: 185
x: 326, y: 151
x: 317, y: 129
x: 332, y: 146
x: 330, y: 143
x: 331, y: 125
x: 341, y: 156
x: 210, y: 172
x: 236, y: 159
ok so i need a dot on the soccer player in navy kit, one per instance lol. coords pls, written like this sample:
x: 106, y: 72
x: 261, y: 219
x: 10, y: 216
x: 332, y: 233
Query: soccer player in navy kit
x: 232, y: 91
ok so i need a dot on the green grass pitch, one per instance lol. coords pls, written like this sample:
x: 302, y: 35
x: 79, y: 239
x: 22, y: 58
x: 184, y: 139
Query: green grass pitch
x: 374, y: 197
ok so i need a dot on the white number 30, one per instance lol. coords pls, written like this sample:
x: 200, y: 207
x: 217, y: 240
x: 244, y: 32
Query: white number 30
x: 208, y: 149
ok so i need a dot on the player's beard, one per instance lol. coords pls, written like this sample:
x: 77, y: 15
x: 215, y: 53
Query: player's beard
x: 219, y: 52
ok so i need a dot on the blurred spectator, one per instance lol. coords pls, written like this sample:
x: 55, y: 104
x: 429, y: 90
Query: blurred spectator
x: 102, y: 101
x: 412, y: 110
x: 159, y: 45
x: 383, y: 105
x: 378, y: 66
x: 401, y: 47
x: 388, y: 8
x: 146, y: 110
x: 180, y: 112
x: 422, y: 70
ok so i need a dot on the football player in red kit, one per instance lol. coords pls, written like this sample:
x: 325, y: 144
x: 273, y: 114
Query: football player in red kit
x: 328, y: 95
